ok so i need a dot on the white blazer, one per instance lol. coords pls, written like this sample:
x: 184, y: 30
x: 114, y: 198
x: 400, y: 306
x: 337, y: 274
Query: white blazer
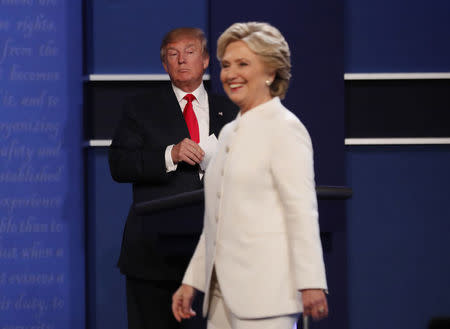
x: 261, y: 229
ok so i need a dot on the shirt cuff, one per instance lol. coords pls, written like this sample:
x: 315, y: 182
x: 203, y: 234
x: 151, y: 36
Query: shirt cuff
x: 170, y: 166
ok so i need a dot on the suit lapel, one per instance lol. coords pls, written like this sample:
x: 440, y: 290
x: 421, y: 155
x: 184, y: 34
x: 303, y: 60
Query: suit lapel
x: 215, y: 115
x: 173, y: 117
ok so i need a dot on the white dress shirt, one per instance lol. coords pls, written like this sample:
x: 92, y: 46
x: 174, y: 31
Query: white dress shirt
x: 201, y: 110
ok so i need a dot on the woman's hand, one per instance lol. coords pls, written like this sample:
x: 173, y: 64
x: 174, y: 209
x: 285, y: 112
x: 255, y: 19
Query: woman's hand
x: 182, y: 302
x: 314, y: 303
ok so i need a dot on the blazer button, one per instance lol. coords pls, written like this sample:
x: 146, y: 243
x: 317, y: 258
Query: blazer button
x: 218, y: 195
x: 227, y: 149
x: 222, y: 172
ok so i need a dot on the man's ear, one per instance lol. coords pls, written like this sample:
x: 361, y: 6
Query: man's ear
x: 205, y: 61
x: 165, y: 65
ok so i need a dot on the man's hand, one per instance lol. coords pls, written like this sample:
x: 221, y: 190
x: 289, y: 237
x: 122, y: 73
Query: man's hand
x: 314, y: 303
x: 182, y: 302
x: 188, y: 151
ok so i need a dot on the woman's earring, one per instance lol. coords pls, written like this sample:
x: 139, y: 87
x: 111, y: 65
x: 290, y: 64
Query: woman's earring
x: 268, y: 83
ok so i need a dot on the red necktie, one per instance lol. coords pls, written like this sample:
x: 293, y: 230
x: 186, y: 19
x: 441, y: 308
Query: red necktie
x: 191, y: 119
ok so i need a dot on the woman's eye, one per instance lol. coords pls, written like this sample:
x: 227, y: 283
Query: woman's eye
x: 224, y: 65
x: 243, y: 64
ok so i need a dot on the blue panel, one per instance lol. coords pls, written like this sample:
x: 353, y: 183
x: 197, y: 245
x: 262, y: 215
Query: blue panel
x: 41, y: 202
x: 124, y: 36
x: 108, y: 208
x: 397, y: 36
x: 398, y: 226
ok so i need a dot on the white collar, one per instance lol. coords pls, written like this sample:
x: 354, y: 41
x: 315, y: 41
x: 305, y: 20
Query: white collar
x: 200, y: 94
x: 259, y: 109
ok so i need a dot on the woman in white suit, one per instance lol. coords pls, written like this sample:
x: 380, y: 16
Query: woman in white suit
x: 259, y: 259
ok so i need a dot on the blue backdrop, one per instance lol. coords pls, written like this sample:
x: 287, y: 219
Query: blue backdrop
x: 398, y: 218
x: 41, y: 207
x: 398, y: 230
x: 397, y: 36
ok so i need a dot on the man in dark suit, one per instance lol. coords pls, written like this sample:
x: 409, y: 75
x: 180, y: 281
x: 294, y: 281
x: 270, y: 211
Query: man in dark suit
x: 156, y: 148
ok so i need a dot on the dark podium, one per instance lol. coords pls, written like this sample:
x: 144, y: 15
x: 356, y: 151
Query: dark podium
x: 196, y: 197
x: 183, y: 218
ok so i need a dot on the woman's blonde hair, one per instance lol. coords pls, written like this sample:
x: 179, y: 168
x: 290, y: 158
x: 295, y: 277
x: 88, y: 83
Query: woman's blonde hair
x: 267, y: 42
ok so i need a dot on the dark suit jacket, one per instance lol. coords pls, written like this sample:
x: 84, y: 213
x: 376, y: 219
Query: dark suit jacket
x: 150, y: 122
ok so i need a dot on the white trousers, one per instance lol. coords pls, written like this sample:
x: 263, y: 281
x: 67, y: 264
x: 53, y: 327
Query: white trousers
x: 220, y: 316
